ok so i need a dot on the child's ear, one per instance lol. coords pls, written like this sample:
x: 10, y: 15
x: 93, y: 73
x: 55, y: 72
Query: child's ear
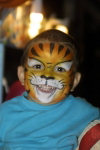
x: 76, y: 80
x: 20, y: 73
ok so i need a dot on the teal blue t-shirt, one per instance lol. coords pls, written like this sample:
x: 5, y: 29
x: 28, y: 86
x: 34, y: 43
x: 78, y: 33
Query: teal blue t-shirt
x: 26, y: 125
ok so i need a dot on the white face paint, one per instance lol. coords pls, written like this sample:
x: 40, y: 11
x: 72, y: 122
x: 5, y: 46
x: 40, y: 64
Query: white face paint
x: 45, y: 89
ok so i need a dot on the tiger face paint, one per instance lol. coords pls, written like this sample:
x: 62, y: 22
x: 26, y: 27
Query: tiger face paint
x: 49, y: 72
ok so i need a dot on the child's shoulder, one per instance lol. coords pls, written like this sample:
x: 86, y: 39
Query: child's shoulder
x: 9, y: 105
x: 82, y: 105
x: 79, y: 101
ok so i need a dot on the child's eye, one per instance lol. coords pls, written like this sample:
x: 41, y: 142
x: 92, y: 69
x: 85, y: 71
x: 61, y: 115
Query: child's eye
x: 35, y: 64
x: 63, y: 67
x: 38, y: 67
x: 59, y: 69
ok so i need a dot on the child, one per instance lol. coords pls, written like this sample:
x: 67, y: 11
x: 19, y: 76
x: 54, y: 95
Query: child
x: 46, y: 116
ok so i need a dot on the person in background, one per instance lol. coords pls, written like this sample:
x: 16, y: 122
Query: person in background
x: 16, y: 89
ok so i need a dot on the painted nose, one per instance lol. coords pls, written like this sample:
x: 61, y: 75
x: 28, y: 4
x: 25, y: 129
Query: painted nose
x: 47, y: 78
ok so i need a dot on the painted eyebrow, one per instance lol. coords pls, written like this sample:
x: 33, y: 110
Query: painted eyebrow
x: 35, y: 59
x: 64, y: 62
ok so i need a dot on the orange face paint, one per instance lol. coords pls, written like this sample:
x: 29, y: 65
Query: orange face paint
x: 49, y: 72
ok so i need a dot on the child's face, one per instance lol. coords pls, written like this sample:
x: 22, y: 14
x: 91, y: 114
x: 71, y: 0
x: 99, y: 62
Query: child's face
x: 49, y: 72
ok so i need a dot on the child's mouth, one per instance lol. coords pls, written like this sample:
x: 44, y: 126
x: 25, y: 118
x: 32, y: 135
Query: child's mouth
x: 45, y: 88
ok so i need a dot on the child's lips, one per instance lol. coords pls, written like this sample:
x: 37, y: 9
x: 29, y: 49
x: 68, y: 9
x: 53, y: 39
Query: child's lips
x: 46, y: 88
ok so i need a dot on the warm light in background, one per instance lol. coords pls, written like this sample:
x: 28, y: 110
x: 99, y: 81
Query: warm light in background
x: 19, y: 12
x: 38, y: 22
x: 55, y: 23
x: 62, y: 28
x: 35, y: 24
x: 27, y: 21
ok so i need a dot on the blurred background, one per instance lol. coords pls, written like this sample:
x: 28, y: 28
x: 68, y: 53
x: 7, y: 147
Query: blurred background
x: 22, y: 20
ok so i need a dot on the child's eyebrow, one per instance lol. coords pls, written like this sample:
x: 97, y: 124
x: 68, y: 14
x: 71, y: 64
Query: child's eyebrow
x: 34, y: 59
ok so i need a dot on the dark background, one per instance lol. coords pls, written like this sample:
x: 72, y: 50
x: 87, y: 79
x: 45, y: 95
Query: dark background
x: 84, y: 25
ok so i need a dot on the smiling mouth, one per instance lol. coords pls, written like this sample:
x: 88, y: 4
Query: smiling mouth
x: 46, y: 88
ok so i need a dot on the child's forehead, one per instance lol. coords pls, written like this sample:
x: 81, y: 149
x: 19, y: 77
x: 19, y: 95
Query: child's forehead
x: 51, y: 51
x: 41, y: 45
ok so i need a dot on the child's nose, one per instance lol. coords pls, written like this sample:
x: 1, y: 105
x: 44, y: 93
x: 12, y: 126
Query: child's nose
x: 47, y: 77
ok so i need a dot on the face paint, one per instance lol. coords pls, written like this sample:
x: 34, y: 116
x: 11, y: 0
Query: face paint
x: 49, y: 72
